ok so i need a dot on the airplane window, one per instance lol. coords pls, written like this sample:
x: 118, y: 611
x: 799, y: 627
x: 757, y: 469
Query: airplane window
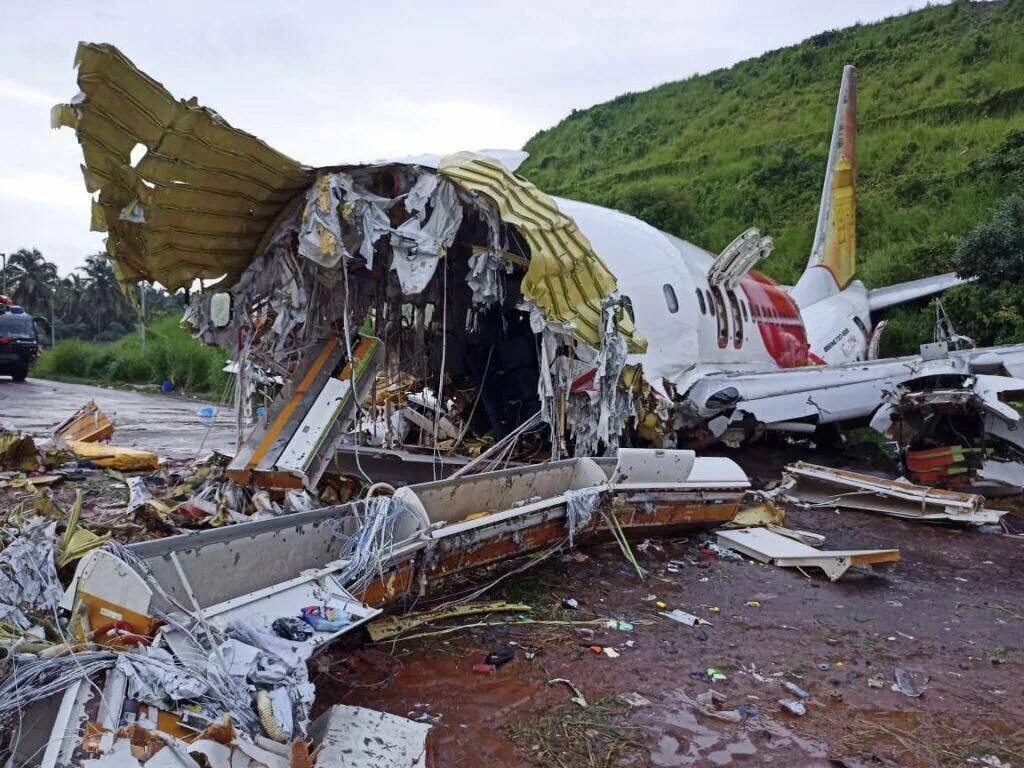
x: 860, y: 324
x: 737, y: 321
x: 711, y: 304
x: 722, y: 318
x: 700, y: 300
x: 670, y: 298
x: 743, y: 306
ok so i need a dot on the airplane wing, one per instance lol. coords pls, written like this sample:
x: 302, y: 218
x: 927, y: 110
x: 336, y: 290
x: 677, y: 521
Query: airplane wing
x: 882, y: 298
x: 799, y: 399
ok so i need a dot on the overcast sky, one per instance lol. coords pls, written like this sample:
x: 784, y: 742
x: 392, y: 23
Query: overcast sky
x: 349, y: 81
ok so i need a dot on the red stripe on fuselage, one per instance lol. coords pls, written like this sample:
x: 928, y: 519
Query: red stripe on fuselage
x: 778, y: 319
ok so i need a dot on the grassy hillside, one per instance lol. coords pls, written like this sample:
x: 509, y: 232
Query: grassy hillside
x: 170, y: 353
x: 941, y: 142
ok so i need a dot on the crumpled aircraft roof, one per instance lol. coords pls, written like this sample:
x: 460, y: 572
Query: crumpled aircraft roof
x: 205, y: 194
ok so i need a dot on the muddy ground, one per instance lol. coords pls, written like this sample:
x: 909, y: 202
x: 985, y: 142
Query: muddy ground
x: 951, y: 614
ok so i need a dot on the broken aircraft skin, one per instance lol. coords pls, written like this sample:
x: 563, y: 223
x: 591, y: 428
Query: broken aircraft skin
x: 185, y: 628
x: 496, y: 299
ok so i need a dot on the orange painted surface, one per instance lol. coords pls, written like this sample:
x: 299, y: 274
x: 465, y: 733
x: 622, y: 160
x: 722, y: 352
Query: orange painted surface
x: 242, y: 477
x: 460, y: 555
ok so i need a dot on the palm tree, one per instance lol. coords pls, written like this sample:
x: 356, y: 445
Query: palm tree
x: 106, y: 302
x: 33, y: 279
x: 72, y: 312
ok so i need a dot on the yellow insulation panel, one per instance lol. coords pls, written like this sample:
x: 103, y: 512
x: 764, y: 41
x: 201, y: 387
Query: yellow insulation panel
x: 202, y: 196
x: 566, y: 278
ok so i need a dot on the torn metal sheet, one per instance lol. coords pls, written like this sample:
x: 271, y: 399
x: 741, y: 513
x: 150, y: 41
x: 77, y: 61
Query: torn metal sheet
x: 206, y: 191
x: 356, y: 737
x: 363, y: 553
x: 421, y: 241
x: 568, y: 282
x: 205, y: 197
x: 824, y: 486
x: 767, y: 546
x: 1009, y: 473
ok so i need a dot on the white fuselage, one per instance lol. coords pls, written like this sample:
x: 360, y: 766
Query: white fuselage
x: 692, y: 327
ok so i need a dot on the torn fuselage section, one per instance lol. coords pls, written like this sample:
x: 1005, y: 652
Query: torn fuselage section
x: 465, y: 344
x: 957, y: 431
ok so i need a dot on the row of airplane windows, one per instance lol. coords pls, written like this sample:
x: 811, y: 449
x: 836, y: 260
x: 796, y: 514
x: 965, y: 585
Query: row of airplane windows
x: 712, y: 302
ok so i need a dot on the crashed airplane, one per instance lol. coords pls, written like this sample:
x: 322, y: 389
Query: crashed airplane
x: 392, y: 319
x: 451, y: 349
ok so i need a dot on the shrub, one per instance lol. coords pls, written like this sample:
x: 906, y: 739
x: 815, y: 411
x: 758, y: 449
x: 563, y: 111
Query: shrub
x: 170, y: 353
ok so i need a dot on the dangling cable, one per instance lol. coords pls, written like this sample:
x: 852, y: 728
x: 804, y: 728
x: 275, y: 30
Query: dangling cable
x: 438, y: 466
x: 352, y: 374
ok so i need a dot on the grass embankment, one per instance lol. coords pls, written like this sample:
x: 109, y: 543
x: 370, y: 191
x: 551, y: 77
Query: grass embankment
x: 170, y: 353
x: 941, y: 143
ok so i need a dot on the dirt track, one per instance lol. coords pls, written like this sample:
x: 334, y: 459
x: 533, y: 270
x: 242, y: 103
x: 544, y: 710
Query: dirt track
x: 168, y: 425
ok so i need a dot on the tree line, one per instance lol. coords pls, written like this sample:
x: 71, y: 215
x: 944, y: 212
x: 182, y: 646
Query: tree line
x: 88, y: 303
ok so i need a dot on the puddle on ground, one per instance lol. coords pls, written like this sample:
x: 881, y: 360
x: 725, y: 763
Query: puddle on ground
x: 684, y: 737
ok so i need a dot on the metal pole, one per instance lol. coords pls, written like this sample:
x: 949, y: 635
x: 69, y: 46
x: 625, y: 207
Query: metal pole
x: 142, y: 289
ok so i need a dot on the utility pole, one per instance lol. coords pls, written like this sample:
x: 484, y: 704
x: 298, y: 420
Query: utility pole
x: 5, y: 272
x: 142, y: 301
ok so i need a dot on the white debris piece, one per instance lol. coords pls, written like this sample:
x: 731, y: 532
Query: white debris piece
x: 817, y: 485
x: 355, y: 737
x: 684, y: 618
x: 769, y: 547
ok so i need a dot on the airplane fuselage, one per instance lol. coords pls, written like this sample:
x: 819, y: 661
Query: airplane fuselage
x: 693, y: 327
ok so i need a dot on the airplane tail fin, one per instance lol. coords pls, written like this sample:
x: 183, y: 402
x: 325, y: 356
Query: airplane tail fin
x: 833, y: 259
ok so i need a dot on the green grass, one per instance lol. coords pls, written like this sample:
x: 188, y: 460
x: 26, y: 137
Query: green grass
x: 170, y: 353
x: 941, y: 131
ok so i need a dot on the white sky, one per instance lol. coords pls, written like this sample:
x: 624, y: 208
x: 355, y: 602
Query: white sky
x: 347, y: 81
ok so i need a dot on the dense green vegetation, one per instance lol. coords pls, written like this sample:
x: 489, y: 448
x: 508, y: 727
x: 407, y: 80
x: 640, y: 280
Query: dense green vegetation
x: 940, y: 145
x: 170, y: 353
x: 96, y: 325
x: 89, y: 303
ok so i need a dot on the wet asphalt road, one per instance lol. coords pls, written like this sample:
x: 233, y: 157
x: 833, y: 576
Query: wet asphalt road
x: 168, y: 425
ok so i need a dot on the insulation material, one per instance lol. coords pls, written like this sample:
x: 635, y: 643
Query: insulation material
x: 598, y: 411
x: 566, y: 278
x: 114, y: 457
x: 154, y: 677
x: 580, y: 506
x: 421, y: 241
x: 200, y: 200
x: 19, y: 452
x: 28, y: 577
